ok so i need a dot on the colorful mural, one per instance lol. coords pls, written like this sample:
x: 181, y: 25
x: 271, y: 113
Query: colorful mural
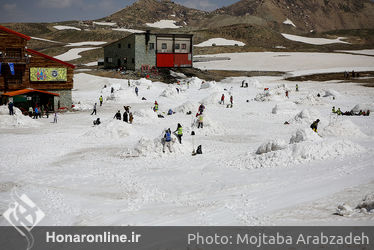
x: 48, y: 74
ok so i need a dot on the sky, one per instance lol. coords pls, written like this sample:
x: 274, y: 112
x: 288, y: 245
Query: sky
x: 65, y: 10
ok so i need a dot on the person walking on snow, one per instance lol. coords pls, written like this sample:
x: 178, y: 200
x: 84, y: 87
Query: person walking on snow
x: 314, y: 125
x: 94, y: 109
x: 155, y: 108
x: 101, y: 100
x: 136, y: 91
x: 200, y: 119
x: 117, y: 115
x: 179, y: 132
x: 55, y: 118
x: 10, y: 107
x: 125, y: 116
x: 36, y: 113
x: 131, y: 118
x: 167, y: 140
x: 297, y: 87
x: 231, y: 101
x: 287, y: 93
x: 223, y: 99
x: 201, y: 108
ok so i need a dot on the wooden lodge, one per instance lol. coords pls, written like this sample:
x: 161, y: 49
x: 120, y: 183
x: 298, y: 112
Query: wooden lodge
x: 49, y: 81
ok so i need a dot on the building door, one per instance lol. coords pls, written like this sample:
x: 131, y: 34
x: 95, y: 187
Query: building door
x: 118, y: 62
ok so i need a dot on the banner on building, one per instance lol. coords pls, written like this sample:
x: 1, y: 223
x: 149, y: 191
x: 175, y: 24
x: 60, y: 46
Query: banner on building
x: 11, y: 66
x: 48, y: 74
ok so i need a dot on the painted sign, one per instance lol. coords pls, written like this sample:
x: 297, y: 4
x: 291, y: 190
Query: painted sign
x: 48, y: 74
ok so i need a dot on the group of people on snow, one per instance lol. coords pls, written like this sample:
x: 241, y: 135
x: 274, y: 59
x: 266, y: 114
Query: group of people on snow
x: 350, y: 113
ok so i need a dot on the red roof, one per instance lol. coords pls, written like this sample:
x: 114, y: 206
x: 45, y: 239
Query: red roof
x: 25, y: 91
x: 14, y: 32
x: 50, y: 58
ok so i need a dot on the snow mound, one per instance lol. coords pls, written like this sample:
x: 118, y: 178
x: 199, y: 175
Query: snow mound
x: 177, y: 75
x: 332, y: 93
x: 153, y: 148
x: 276, y: 94
x: 299, y: 154
x: 306, y: 134
x: 144, y: 82
x: 195, y: 82
x: 255, y: 83
x: 367, y: 203
x: 310, y: 99
x: 187, y: 106
x: 341, y: 128
x: 364, y: 107
x: 211, y: 127
x: 82, y: 107
x: 213, y: 98
x: 113, y: 129
x: 144, y: 116
x: 169, y: 91
x: 344, y: 210
x: 208, y: 85
x: 18, y: 120
x: 284, y: 108
x: 270, y: 146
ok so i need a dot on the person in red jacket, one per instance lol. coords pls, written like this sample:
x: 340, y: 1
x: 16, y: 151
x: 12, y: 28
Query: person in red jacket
x: 223, y: 99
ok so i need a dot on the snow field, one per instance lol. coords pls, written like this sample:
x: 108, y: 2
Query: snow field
x: 18, y: 120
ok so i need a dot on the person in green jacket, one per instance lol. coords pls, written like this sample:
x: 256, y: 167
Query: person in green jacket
x: 179, y: 132
x: 101, y: 100
x: 333, y: 110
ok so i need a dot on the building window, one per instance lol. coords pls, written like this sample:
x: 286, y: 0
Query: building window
x: 129, y: 45
x: 133, y: 60
x: 110, y: 59
x: 177, y: 46
x: 184, y: 46
x: 164, y: 46
x: 13, y: 53
x: 151, y: 46
x: 119, y: 45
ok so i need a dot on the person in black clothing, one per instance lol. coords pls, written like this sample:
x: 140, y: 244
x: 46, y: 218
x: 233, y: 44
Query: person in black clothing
x: 94, y: 110
x: 125, y: 116
x: 97, y: 121
x: 314, y: 125
x: 10, y: 107
x: 117, y: 115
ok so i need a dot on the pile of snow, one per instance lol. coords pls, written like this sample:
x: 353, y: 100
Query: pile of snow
x: 208, y: 85
x: 46, y: 40
x: 300, y: 153
x: 272, y: 145
x: 284, y: 108
x: 367, y: 203
x: 220, y: 42
x: 144, y: 116
x: 194, y: 82
x: 341, y: 128
x: 164, y: 24
x: 187, y: 106
x: 177, y: 75
x: 275, y: 94
x: 90, y: 64
x: 18, y: 120
x: 310, y: 99
x: 364, y: 107
x: 254, y: 83
x: 314, y: 41
x: 289, y: 22
x: 306, y: 134
x: 211, y: 127
x: 306, y: 116
x: 169, y: 91
x: 143, y: 82
x: 112, y: 129
x: 82, y: 106
x: 344, y: 210
x: 332, y: 93
x: 153, y: 148
x: 213, y: 98
x: 64, y: 27
x: 366, y: 206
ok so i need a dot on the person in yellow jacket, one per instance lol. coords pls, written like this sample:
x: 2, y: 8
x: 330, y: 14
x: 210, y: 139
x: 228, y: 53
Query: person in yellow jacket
x: 101, y: 100
x: 200, y: 121
x: 179, y: 133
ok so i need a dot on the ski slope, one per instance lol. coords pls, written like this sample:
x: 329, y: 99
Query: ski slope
x: 116, y: 173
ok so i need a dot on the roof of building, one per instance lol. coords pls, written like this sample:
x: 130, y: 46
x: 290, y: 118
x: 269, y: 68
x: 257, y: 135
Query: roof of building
x: 14, y: 32
x: 153, y: 34
x: 50, y: 58
x: 29, y: 90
